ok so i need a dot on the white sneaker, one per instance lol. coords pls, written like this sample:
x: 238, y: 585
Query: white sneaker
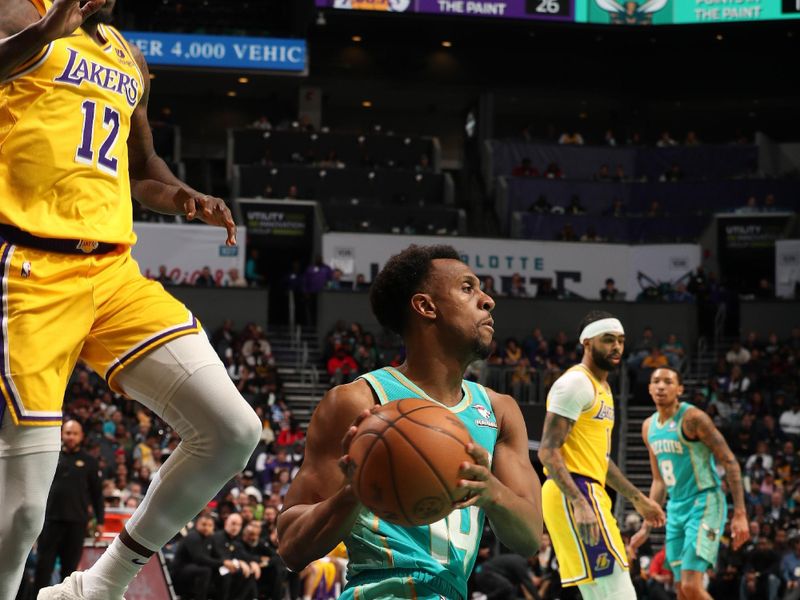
x: 70, y: 589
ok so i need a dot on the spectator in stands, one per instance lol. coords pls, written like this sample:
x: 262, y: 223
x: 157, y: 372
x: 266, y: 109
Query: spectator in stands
x: 655, y: 211
x: 609, y: 139
x: 234, y: 279
x: 335, y: 283
x: 525, y: 169
x: 315, y: 279
x: 672, y: 175
x: 762, y: 454
x: 273, y: 571
x: 553, y: 171
x: 603, y: 174
x: 634, y: 139
x: 205, y: 278
x: 617, y: 209
x: 332, y: 161
x: 737, y: 355
x: 194, y: 564
x: 252, y: 269
x: 761, y: 579
x: 790, y: 421
x: 738, y: 384
x: 545, y: 289
x: 619, y: 175
x: 764, y: 290
x: 261, y: 123
x: 655, y: 360
x: 517, y: 288
x: 575, y: 207
x: 660, y: 583
x: 691, y: 139
x: 502, y: 576
x: 665, y: 140
x: 342, y: 367
x: 290, y: 433
x: 673, y: 349
x: 240, y: 582
x: 610, y: 292
x: 487, y: 285
x: 163, y: 277
x: 790, y: 569
x: 567, y: 234
x: 591, y: 235
x: 770, y: 205
x: 360, y: 284
x: 292, y: 193
x: 751, y: 206
x: 571, y: 139
x: 680, y: 294
x: 541, y: 206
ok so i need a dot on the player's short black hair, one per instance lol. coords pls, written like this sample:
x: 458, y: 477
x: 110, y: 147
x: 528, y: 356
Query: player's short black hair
x: 591, y: 317
x: 668, y: 368
x: 401, y: 277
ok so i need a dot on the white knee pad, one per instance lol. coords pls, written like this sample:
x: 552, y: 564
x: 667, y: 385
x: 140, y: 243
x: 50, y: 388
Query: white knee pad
x: 185, y: 383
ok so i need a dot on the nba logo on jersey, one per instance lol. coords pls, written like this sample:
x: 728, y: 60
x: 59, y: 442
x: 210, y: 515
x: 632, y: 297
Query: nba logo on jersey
x: 26, y: 269
x: 87, y: 246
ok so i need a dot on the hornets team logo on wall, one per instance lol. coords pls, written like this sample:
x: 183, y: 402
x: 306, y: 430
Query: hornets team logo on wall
x: 631, y: 12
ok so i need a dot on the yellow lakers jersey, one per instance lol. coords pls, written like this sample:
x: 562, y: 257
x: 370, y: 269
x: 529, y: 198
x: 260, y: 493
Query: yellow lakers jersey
x: 588, y: 446
x: 64, y: 122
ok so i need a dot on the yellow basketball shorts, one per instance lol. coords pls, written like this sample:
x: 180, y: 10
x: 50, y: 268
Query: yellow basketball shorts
x: 579, y: 563
x: 58, y: 308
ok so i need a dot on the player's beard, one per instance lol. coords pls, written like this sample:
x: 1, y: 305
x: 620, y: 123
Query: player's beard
x: 480, y: 350
x: 599, y: 359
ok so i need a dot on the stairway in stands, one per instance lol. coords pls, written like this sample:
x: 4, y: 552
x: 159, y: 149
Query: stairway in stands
x: 298, y: 357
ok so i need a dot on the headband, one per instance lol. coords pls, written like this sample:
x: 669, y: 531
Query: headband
x: 600, y: 327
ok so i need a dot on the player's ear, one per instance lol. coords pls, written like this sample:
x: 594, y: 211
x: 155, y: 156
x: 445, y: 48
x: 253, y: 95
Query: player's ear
x: 423, y: 305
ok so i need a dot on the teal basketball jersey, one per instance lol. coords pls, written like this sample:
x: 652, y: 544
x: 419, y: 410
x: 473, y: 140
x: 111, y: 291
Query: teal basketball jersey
x: 445, y: 549
x: 687, y: 467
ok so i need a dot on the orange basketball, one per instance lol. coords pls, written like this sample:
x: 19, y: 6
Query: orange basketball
x: 407, y: 456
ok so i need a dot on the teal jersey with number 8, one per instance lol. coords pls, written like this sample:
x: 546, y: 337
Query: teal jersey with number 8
x: 687, y: 467
x: 446, y: 549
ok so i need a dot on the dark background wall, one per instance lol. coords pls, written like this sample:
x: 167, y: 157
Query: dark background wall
x: 766, y: 316
x: 516, y: 317
x: 213, y: 306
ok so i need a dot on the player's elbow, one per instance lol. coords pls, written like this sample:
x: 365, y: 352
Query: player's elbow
x: 291, y: 554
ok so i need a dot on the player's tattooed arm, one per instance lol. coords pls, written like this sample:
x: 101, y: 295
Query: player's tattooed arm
x: 556, y: 431
x: 622, y: 484
x: 697, y: 425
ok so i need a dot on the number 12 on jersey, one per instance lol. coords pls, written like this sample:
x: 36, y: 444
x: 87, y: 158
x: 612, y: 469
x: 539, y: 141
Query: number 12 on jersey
x: 85, y: 153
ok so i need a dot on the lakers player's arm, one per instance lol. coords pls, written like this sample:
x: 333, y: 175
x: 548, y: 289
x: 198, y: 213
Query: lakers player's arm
x: 153, y: 184
x: 697, y: 425
x: 320, y: 508
x: 512, y: 490
x: 651, y: 511
x: 24, y: 33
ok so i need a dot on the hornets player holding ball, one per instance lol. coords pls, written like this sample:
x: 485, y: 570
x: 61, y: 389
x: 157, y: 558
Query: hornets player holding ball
x: 430, y: 297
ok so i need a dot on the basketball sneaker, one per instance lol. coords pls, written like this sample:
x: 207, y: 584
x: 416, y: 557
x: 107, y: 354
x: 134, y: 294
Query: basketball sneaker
x: 70, y: 589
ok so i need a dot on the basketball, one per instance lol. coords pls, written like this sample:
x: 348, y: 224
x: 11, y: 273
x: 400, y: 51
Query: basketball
x: 407, y: 457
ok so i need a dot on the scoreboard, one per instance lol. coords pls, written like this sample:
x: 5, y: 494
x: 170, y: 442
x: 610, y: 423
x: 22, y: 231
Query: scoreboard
x: 546, y: 10
x: 603, y: 12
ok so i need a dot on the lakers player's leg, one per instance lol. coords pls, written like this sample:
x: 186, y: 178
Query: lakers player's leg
x: 28, y: 460
x: 616, y: 586
x: 185, y: 383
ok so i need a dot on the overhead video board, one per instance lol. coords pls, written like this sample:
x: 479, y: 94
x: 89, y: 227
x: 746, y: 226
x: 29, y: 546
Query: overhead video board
x: 545, y: 10
x: 601, y: 12
x: 684, y: 12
